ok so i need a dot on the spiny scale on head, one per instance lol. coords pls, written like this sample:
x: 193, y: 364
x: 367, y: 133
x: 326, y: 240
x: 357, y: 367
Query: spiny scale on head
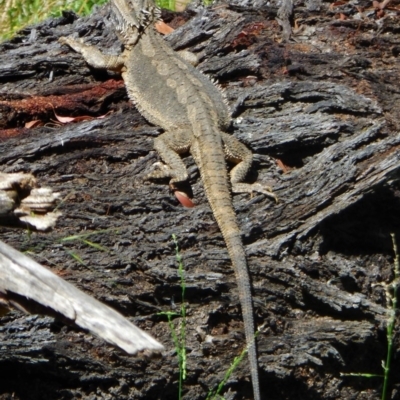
x: 123, y: 18
x: 137, y: 17
x: 149, y: 16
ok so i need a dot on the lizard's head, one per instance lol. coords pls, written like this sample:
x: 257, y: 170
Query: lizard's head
x: 130, y: 17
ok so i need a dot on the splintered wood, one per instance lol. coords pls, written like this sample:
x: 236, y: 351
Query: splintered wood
x: 27, y: 285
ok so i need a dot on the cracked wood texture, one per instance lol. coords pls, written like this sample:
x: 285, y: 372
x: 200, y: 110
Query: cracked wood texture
x: 320, y: 113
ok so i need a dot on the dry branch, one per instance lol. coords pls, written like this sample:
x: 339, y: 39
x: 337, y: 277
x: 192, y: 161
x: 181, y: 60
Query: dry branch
x: 28, y: 285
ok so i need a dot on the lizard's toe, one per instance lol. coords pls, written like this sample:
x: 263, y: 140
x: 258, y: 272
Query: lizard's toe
x: 254, y: 187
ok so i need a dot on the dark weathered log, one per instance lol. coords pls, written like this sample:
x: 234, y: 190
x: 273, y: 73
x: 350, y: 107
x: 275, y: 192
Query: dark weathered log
x: 321, y: 114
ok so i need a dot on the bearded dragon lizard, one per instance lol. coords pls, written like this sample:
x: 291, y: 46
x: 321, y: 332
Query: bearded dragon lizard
x: 171, y: 93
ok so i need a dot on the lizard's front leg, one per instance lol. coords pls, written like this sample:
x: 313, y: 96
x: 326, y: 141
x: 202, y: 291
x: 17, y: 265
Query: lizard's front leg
x: 94, y: 56
x: 238, y: 153
x: 169, y: 146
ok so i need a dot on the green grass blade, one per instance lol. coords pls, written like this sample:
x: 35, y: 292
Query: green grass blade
x: 96, y: 246
x: 392, y: 318
x: 361, y: 374
x: 76, y: 257
x: 85, y: 235
x: 236, y: 361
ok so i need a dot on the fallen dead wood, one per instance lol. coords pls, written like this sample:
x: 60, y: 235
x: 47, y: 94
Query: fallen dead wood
x: 27, y: 285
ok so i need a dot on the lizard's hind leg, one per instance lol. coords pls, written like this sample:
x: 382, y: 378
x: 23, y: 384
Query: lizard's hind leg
x: 169, y: 146
x: 239, y: 154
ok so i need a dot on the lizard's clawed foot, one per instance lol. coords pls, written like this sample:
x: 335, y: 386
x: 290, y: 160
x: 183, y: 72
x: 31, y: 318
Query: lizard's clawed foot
x: 254, y: 187
x: 161, y: 170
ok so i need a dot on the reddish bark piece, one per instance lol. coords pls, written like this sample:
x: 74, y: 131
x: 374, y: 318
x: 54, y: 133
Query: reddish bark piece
x: 81, y: 99
x: 163, y: 28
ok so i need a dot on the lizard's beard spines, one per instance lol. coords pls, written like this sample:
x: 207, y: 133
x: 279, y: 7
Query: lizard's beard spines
x: 122, y: 17
x: 148, y: 13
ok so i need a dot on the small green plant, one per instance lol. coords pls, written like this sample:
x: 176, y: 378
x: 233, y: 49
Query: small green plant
x: 179, y: 340
x: 391, y: 299
x: 215, y: 394
x: 82, y: 238
x: 391, y: 295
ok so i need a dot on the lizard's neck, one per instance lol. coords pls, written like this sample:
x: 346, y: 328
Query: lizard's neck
x: 151, y: 42
x: 149, y: 36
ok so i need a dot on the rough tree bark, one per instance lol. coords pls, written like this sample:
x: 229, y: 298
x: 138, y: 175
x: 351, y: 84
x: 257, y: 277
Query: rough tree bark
x: 320, y: 111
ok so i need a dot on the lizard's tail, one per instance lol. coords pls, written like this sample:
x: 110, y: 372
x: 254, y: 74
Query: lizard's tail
x: 216, y: 183
x: 237, y: 254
